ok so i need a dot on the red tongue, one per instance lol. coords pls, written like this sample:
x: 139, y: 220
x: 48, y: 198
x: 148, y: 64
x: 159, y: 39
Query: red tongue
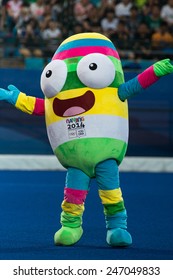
x: 72, y: 111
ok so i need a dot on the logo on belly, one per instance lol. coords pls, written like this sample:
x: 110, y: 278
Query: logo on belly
x: 76, y: 127
x: 74, y: 106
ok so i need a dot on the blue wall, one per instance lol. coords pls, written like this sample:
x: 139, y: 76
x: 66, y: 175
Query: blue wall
x: 150, y: 114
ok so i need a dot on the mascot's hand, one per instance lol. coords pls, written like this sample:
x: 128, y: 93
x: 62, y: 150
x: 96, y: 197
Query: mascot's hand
x: 163, y: 67
x: 10, y: 95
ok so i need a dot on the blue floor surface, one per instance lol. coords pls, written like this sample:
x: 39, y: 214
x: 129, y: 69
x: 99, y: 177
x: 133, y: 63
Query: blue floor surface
x: 30, y: 205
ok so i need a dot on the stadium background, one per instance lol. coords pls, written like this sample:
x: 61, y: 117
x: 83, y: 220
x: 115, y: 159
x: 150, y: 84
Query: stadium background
x: 31, y: 185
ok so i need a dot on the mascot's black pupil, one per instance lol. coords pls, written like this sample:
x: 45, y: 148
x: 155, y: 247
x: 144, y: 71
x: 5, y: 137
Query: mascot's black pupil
x: 48, y: 73
x: 93, y: 66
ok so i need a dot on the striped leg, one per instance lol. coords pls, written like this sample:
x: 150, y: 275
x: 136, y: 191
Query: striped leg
x: 75, y: 192
x: 107, y: 176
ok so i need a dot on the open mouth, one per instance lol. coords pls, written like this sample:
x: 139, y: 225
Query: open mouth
x: 74, y: 106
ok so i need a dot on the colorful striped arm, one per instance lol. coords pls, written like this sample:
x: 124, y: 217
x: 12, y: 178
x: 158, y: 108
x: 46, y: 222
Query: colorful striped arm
x: 148, y: 77
x: 135, y: 85
x: 30, y: 104
x: 145, y: 79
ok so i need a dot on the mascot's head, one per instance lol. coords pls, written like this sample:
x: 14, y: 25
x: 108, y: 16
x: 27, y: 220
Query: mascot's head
x: 84, y: 68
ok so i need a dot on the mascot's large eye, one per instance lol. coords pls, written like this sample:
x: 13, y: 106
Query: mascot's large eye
x: 53, y: 77
x: 96, y: 70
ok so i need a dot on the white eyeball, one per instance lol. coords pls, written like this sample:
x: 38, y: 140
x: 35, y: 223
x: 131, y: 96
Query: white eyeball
x: 53, y: 78
x: 96, y: 70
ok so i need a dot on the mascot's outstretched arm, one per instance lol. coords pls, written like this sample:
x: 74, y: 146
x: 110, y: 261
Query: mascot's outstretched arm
x: 27, y: 104
x: 145, y: 79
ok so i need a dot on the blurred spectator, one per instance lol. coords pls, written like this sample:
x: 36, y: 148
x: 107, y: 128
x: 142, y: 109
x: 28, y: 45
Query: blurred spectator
x: 3, y: 13
x: 109, y: 23
x: 52, y: 32
x: 81, y: 9
x: 108, y: 4
x: 56, y: 9
x: 37, y: 9
x: 78, y: 28
x: 51, y: 36
x: 154, y: 19
x: 66, y: 17
x: 30, y: 40
x: 92, y: 22
x: 28, y: 2
x: 140, y: 3
x: 43, y: 24
x: 121, y: 40
x: 133, y: 22
x: 24, y: 19
x: 122, y: 9
x: 147, y: 8
x: 13, y: 8
x: 97, y: 28
x: 151, y: 3
x: 145, y: 12
x: 142, y: 44
x: 96, y: 3
x: 104, y: 6
x: 162, y: 39
x: 47, y: 14
x: 167, y: 12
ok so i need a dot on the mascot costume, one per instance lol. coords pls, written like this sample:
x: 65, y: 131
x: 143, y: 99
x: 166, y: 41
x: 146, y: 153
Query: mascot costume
x: 86, y: 113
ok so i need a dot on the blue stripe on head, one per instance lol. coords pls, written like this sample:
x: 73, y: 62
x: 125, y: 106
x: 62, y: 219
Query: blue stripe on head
x: 85, y: 43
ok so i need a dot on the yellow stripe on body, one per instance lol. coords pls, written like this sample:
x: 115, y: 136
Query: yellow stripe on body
x: 25, y: 103
x: 85, y: 36
x: 73, y: 209
x: 107, y: 102
x: 111, y: 196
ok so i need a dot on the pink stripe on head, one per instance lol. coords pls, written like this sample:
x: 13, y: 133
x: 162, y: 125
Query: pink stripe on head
x: 148, y: 77
x: 75, y: 196
x: 82, y: 51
